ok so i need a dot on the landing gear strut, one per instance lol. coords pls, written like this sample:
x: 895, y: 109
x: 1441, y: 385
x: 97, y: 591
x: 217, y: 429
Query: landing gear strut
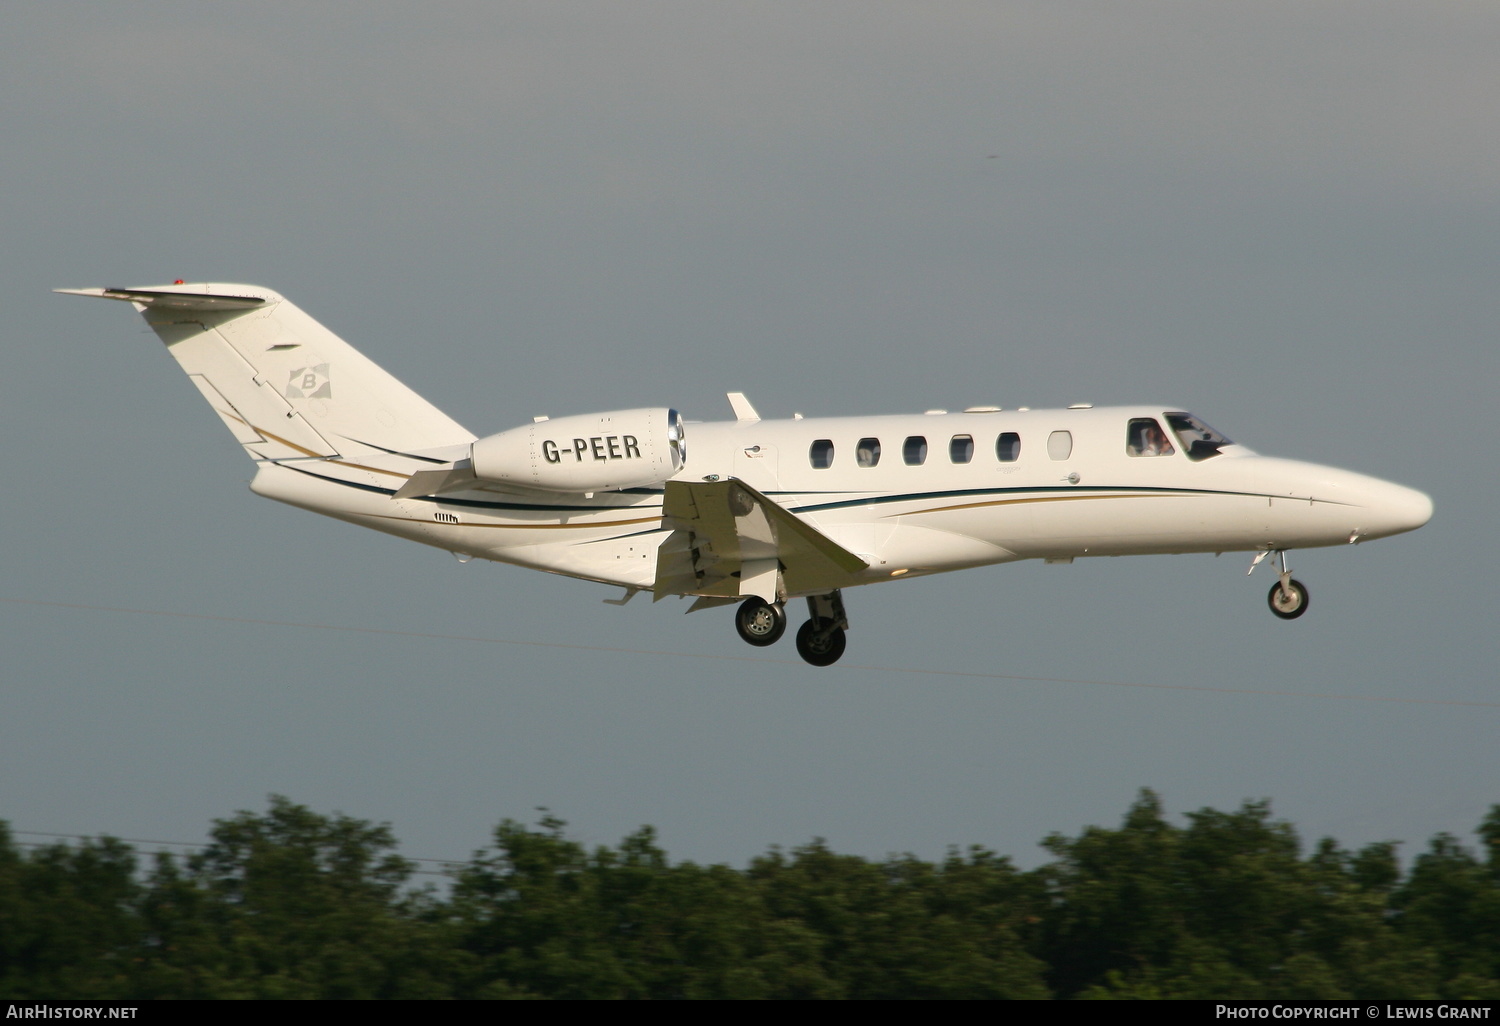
x: 760, y: 622
x: 1288, y: 598
x: 820, y: 641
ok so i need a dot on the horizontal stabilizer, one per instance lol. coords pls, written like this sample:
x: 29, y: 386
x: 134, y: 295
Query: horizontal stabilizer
x: 171, y: 299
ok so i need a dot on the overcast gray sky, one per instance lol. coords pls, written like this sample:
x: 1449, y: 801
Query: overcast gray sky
x: 1281, y: 216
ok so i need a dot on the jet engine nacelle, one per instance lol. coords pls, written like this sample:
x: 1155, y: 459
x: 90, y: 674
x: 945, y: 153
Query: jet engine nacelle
x: 591, y: 452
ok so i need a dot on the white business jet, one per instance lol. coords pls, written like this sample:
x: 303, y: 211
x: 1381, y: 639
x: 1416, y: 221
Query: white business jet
x: 754, y: 512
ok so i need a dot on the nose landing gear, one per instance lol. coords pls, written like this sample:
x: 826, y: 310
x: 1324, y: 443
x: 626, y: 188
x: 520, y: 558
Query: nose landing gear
x: 1288, y: 598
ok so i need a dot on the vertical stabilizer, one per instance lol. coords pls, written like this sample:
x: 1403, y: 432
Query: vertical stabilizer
x: 283, y: 384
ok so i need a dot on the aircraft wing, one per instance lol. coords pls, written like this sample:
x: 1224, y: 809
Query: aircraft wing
x: 728, y: 540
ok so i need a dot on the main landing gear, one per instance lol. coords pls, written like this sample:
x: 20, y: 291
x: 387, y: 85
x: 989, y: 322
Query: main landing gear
x: 760, y: 622
x: 1288, y: 598
x: 820, y: 641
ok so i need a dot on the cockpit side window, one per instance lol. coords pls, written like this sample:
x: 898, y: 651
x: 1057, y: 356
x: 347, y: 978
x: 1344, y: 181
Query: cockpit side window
x: 1199, y: 440
x: 1144, y: 437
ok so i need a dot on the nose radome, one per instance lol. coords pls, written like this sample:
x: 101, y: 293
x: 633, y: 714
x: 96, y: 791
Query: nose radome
x: 1397, y: 508
x: 1415, y: 508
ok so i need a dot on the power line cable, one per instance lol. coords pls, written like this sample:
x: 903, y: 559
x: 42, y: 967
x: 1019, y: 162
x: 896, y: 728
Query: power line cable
x: 845, y: 667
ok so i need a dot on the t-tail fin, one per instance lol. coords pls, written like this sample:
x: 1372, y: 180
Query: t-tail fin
x: 286, y: 386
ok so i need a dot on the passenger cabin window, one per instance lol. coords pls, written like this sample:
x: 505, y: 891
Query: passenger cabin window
x: 821, y: 454
x: 1060, y: 445
x: 1008, y: 447
x: 961, y: 449
x: 1144, y: 437
x: 914, y: 451
x: 1200, y: 440
x: 867, y: 452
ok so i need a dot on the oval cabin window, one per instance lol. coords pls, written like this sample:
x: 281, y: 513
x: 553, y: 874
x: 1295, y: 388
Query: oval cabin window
x: 914, y: 451
x: 1060, y: 445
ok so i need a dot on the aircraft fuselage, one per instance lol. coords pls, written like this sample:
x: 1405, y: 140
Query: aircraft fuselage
x: 1091, y: 498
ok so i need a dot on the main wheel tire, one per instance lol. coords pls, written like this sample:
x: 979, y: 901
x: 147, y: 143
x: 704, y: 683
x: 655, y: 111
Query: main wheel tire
x: 1288, y: 606
x: 820, y: 647
x: 760, y: 623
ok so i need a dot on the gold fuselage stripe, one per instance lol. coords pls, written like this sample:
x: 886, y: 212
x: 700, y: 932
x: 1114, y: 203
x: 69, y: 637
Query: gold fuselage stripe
x: 516, y: 527
x: 308, y: 452
x: 1039, y: 498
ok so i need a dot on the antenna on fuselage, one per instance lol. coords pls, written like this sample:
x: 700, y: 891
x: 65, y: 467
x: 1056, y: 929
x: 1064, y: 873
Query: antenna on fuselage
x: 743, y: 411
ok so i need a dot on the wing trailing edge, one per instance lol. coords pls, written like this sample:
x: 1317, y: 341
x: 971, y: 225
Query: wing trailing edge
x: 729, y: 540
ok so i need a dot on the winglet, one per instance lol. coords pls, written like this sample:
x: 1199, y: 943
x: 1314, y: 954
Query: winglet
x: 743, y: 411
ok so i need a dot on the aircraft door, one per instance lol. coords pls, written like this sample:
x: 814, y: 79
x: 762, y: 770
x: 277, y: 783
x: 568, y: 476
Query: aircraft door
x: 755, y: 464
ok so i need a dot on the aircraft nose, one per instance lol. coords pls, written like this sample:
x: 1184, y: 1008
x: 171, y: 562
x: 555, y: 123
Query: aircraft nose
x: 1396, y: 509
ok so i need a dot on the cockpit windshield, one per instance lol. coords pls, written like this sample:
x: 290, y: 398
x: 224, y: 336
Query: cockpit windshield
x: 1199, y: 441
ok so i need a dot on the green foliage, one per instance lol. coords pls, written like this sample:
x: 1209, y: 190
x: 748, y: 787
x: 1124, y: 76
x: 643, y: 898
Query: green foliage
x: 1450, y: 906
x: 1224, y: 908
x: 66, y: 920
x: 904, y: 928
x: 290, y: 903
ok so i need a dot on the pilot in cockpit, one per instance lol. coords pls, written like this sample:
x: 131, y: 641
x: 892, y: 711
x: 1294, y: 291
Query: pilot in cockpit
x: 1146, y: 438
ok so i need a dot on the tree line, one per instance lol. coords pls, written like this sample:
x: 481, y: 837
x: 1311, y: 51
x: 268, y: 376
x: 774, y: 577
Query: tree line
x: 291, y: 903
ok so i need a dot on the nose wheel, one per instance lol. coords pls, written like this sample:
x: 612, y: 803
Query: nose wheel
x: 759, y: 622
x: 1288, y: 597
x: 1288, y: 600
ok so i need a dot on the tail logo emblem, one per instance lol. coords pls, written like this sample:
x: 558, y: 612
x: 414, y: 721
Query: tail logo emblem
x: 309, y: 383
